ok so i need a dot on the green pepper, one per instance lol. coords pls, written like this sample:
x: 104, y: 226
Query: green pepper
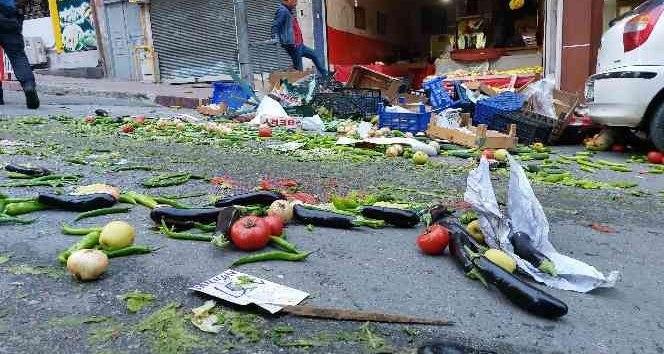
x: 89, y: 241
x: 68, y: 230
x: 99, y: 212
x: 128, y: 251
x: 14, y: 209
x: 272, y: 256
x: 281, y: 242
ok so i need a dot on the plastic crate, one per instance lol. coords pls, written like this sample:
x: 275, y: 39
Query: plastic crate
x: 438, y: 95
x: 405, y: 122
x: 530, y: 127
x: 349, y: 102
x: 300, y: 111
x: 486, y: 110
x: 229, y: 93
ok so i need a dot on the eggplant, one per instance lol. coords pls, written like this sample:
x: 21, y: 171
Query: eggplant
x: 225, y: 220
x: 28, y: 171
x: 459, y: 252
x: 520, y: 293
x: 322, y: 218
x: 438, y: 213
x: 252, y: 198
x: 455, y: 228
x: 523, y: 247
x: 78, y: 203
x: 184, y: 218
x: 392, y: 216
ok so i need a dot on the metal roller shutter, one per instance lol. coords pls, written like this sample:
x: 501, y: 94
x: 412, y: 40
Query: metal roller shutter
x: 194, y: 39
x: 264, y: 58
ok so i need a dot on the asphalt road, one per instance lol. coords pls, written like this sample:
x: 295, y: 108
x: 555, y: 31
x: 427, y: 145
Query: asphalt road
x: 364, y: 269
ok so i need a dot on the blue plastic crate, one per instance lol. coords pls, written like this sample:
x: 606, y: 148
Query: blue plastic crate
x: 438, y: 95
x: 486, y: 109
x: 229, y: 93
x: 405, y: 122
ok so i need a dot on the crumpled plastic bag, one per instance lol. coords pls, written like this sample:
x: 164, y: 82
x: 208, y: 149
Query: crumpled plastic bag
x: 540, y: 94
x: 314, y: 123
x: 269, y: 108
x: 525, y: 214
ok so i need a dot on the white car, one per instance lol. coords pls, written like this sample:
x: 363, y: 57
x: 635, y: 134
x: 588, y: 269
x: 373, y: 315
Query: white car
x: 628, y: 89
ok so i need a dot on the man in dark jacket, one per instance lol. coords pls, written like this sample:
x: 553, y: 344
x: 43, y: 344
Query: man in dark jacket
x: 11, y: 41
x: 286, y: 30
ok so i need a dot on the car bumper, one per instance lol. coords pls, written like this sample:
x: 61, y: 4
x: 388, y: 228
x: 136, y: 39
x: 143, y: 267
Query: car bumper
x: 621, y: 97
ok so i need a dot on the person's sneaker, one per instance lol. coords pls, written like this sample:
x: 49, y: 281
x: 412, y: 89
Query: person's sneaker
x: 31, y: 99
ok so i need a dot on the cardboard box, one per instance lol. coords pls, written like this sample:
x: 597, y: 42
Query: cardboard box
x: 363, y: 78
x: 474, y: 137
x: 292, y: 76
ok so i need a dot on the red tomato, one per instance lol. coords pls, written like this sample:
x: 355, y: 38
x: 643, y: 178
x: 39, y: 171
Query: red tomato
x: 655, y: 157
x: 127, y: 128
x: 265, y: 132
x: 90, y: 119
x: 434, y: 240
x: 139, y: 119
x: 275, y: 224
x: 618, y: 148
x: 488, y: 153
x: 250, y: 233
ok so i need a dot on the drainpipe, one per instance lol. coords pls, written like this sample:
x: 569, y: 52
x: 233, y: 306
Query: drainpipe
x: 242, y: 28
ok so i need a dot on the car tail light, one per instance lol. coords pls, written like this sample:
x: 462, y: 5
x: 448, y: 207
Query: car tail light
x: 639, y: 28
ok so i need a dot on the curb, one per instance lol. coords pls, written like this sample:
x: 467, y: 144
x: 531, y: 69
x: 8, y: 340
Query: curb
x: 167, y: 101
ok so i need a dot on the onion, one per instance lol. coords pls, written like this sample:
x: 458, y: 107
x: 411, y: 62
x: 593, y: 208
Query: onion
x: 116, y: 235
x: 435, y: 145
x: 282, y: 209
x: 392, y: 152
x: 86, y: 264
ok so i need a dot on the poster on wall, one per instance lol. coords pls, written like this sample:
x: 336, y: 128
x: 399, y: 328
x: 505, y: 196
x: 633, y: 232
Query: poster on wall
x: 77, y: 25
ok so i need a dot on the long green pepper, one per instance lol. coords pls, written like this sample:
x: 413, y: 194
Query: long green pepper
x: 272, y: 256
x: 99, y: 212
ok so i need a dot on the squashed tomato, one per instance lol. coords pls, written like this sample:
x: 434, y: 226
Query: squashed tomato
x: 275, y: 224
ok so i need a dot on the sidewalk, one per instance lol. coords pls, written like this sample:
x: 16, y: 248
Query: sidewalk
x: 186, y: 96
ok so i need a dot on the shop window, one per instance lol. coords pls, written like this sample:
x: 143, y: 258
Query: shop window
x: 360, y: 18
x: 381, y: 23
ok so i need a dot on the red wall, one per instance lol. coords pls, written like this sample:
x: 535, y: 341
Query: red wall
x: 347, y: 48
x: 582, y: 31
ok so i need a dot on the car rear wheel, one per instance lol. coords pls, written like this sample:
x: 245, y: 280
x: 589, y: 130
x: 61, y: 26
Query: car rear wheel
x: 657, y: 128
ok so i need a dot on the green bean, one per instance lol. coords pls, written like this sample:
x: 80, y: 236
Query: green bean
x: 272, y: 256
x: 52, y: 180
x: 68, y: 230
x: 16, y: 175
x: 167, y: 180
x: 183, y: 236
x: 99, y: 212
x: 128, y: 251
x: 287, y: 246
x: 18, y: 200
x: 126, y: 198
x: 4, y: 219
x: 171, y: 202
x: 620, y: 168
x: 143, y: 199
x: 587, y: 169
x: 206, y: 228
x: 88, y: 242
x: 14, y: 209
x: 134, y: 168
x: 185, y: 196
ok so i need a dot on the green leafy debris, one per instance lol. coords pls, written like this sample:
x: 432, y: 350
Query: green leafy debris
x: 105, y: 334
x: 4, y: 258
x: 136, y: 300
x: 51, y: 272
x: 167, y: 331
x: 245, y: 327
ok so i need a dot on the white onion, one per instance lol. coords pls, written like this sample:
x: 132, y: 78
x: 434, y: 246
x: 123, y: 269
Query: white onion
x: 281, y: 209
x: 87, y: 265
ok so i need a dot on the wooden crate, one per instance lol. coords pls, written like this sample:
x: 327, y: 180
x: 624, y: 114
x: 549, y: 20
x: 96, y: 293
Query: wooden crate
x: 478, y: 137
x: 363, y: 78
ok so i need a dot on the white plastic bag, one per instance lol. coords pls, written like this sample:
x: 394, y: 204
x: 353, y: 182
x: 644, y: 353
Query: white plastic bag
x: 541, y: 94
x: 269, y: 108
x: 314, y: 123
x: 525, y: 214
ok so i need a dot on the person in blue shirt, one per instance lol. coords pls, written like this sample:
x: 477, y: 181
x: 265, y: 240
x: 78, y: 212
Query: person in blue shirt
x: 11, y: 41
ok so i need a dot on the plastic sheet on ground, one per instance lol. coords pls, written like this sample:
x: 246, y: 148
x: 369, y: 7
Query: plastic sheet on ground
x: 314, y: 123
x: 525, y: 214
x: 415, y: 144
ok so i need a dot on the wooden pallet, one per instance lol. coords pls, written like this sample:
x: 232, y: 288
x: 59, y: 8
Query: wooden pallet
x: 478, y: 137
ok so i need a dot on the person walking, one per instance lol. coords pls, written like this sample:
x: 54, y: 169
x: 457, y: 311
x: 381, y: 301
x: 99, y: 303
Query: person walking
x: 11, y: 41
x: 286, y: 31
